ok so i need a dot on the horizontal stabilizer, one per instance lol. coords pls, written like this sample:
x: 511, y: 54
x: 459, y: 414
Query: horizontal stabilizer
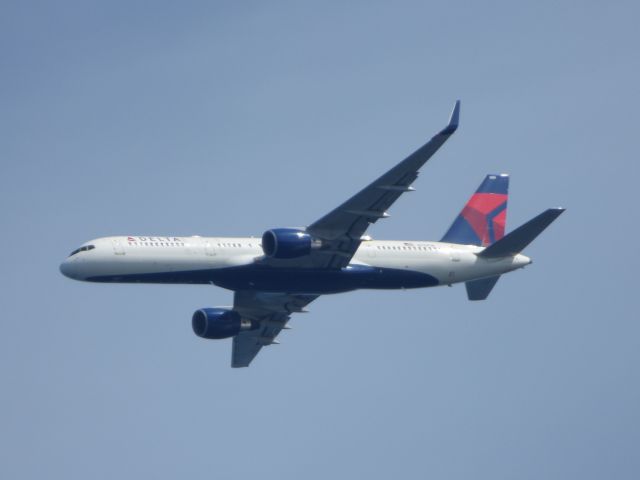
x: 522, y: 236
x: 480, y: 289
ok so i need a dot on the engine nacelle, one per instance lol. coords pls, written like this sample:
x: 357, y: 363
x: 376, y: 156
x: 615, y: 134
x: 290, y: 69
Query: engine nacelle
x: 215, y: 323
x: 286, y: 243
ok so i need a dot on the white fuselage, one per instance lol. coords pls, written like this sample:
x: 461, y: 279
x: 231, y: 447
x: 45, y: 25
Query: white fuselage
x: 237, y: 263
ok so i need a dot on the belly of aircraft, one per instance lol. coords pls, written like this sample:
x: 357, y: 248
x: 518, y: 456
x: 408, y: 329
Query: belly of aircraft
x: 270, y: 279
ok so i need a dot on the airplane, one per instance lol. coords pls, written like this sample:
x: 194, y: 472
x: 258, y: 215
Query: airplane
x: 279, y: 274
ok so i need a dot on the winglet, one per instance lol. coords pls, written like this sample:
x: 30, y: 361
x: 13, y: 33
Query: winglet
x: 453, y: 120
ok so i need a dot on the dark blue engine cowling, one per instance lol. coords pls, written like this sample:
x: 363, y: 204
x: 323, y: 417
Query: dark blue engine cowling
x: 215, y: 323
x: 286, y: 243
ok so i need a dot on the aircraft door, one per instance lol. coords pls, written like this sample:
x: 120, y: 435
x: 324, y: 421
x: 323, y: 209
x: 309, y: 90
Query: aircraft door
x: 118, y: 248
x: 371, y: 251
x: 454, y: 255
x: 209, y: 249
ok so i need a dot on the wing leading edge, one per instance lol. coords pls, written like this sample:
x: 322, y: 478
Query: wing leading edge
x: 343, y: 227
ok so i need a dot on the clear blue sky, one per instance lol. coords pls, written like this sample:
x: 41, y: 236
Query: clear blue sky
x: 229, y: 118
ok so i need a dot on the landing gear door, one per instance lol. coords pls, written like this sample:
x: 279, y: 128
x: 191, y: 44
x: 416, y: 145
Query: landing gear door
x: 118, y: 248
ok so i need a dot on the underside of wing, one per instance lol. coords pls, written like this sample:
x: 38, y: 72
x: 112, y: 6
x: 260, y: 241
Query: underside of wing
x: 341, y: 229
x: 271, y: 311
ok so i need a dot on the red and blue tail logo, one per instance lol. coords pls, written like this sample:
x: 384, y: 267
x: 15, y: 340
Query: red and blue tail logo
x: 483, y: 219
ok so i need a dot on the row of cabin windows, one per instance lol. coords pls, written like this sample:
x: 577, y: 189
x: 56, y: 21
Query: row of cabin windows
x: 385, y: 247
x: 157, y: 244
x: 235, y: 245
x: 171, y: 244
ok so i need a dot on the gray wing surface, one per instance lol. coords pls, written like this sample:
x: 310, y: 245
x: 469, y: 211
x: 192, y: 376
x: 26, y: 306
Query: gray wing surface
x: 341, y: 232
x: 272, y: 311
x: 342, y: 228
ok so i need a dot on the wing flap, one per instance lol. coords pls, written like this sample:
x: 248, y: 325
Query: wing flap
x: 272, y: 311
x: 246, y: 345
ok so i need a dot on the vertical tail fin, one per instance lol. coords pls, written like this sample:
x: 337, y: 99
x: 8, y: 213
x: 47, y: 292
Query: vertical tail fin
x: 482, y: 220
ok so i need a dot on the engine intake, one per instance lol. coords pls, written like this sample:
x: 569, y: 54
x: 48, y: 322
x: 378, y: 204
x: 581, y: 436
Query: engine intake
x: 286, y: 243
x: 216, y: 323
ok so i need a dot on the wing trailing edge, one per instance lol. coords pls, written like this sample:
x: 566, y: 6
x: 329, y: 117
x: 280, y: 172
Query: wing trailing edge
x: 341, y: 228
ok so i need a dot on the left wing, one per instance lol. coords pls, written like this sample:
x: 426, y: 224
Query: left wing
x: 342, y: 228
x: 272, y: 311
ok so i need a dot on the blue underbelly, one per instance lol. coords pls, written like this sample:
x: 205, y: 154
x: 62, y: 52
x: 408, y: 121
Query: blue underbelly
x: 269, y: 279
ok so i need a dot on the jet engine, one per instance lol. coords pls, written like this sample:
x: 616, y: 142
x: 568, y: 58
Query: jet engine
x: 215, y: 323
x: 286, y: 243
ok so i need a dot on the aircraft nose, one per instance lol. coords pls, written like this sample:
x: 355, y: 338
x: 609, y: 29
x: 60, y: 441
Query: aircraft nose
x: 68, y: 269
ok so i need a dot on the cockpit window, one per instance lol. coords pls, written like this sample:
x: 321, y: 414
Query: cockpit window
x: 82, y: 249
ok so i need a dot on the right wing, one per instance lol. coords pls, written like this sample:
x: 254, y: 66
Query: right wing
x: 272, y: 312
